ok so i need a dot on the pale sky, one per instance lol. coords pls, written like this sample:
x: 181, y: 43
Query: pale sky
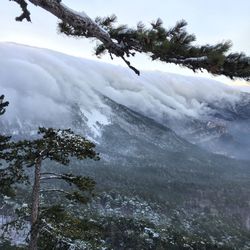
x: 211, y: 21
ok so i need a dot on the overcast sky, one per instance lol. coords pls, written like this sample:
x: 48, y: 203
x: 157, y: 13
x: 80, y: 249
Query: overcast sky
x: 211, y: 21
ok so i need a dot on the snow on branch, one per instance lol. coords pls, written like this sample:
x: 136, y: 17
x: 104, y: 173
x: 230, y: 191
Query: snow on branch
x: 188, y: 60
x: 53, y: 231
x: 76, y: 20
x: 55, y: 190
x: 173, y: 45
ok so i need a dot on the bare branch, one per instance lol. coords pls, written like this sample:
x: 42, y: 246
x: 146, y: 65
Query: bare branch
x: 55, y: 190
x: 130, y: 66
x: 25, y: 13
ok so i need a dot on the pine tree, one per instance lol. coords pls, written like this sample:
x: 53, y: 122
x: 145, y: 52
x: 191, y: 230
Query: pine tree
x: 173, y: 45
x: 4, y: 176
x: 55, y: 145
x: 3, y: 105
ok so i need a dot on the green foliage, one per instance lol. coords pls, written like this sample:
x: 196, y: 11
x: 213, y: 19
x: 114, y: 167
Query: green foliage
x: 3, y: 105
x: 6, y: 245
x: 83, y: 183
x: 67, y: 229
x: 3, y: 139
x: 56, y: 145
x: 11, y: 173
x: 7, y: 176
x: 52, y: 144
x: 115, y: 232
x: 174, y: 45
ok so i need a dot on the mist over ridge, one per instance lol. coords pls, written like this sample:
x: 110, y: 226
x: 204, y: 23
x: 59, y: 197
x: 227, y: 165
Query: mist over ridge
x: 51, y: 82
x: 175, y: 150
x: 47, y: 88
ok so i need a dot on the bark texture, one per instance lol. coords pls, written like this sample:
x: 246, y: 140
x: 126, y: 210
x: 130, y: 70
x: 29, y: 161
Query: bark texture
x: 77, y: 19
x: 35, y: 208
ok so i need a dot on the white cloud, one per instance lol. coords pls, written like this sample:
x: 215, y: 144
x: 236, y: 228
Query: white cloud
x: 42, y: 86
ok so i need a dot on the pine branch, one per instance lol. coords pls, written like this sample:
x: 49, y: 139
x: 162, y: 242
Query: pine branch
x: 173, y: 45
x: 48, y: 228
x: 77, y: 19
x: 3, y: 105
x: 55, y: 190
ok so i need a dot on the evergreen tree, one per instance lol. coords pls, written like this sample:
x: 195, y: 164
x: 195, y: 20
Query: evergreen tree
x: 3, y: 105
x: 4, y: 184
x: 173, y: 45
x: 55, y: 145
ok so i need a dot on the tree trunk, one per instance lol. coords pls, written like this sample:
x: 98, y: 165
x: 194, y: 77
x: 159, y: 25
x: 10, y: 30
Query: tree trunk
x: 35, y: 208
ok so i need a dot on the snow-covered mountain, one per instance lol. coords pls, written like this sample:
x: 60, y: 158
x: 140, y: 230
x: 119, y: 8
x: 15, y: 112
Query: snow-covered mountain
x: 182, y: 142
x: 47, y: 88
